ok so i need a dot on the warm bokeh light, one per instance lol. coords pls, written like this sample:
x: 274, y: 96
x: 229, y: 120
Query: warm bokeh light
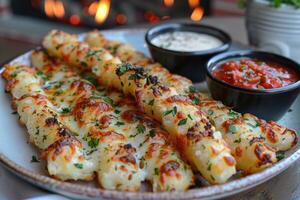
x: 168, y: 3
x: 197, y: 14
x: 151, y: 17
x: 121, y: 19
x: 102, y: 11
x: 74, y: 19
x: 48, y: 7
x: 93, y: 8
x: 59, y: 10
x: 193, y: 3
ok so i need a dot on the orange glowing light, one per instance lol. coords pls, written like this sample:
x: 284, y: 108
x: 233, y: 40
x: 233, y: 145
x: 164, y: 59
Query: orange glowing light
x: 74, y: 19
x: 121, y: 19
x: 193, y: 3
x: 48, y: 7
x: 59, y: 10
x: 102, y: 11
x: 197, y: 14
x: 93, y: 8
x: 168, y: 3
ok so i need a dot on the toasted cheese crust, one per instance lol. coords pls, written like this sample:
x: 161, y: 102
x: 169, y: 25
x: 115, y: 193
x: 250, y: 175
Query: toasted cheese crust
x: 200, y: 144
x: 254, y: 135
x: 130, y: 147
x: 44, y: 128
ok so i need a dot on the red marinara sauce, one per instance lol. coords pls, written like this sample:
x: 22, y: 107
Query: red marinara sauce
x: 255, y: 74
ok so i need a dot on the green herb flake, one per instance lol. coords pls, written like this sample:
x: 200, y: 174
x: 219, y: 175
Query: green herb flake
x: 192, y: 89
x: 78, y: 165
x: 120, y: 124
x: 34, y: 159
x: 232, y: 128
x: 173, y: 111
x: 65, y: 110
x: 237, y: 141
x: 196, y: 100
x: 210, y: 112
x: 152, y: 133
x: 117, y: 111
x: 14, y: 74
x: 209, y: 167
x: 232, y: 114
x: 156, y: 171
x: 151, y: 102
x: 182, y: 122
x: 93, y: 143
x: 190, y: 117
x: 108, y: 100
x: 123, y: 69
x: 280, y: 155
x: 140, y: 128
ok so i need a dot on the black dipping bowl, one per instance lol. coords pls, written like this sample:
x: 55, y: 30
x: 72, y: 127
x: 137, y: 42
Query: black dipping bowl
x: 188, y: 64
x: 269, y: 104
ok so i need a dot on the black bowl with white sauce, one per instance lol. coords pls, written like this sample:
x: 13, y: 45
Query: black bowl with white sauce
x: 184, y: 48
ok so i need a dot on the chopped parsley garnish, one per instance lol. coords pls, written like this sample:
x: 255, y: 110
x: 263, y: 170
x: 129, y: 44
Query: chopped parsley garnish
x: 117, y: 111
x: 78, y: 165
x: 65, y: 110
x: 156, y: 171
x: 93, y: 52
x: 34, y: 159
x: 209, y: 167
x: 280, y: 155
x: 123, y: 69
x: 39, y: 73
x: 108, y: 100
x: 190, y: 117
x: 58, y: 92
x: 44, y: 137
x: 192, y: 89
x: 232, y: 114
x: 196, y: 100
x: 182, y: 122
x: 14, y: 74
x: 84, y: 64
x: 238, y: 140
x: 120, y: 124
x: 152, y: 133
x: 173, y: 111
x: 210, y: 112
x: 93, y: 143
x: 232, y: 128
x: 140, y: 128
x: 151, y: 102
x: 91, y: 78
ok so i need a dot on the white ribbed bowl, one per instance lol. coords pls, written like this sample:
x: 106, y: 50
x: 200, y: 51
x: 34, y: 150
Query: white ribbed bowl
x: 274, y: 29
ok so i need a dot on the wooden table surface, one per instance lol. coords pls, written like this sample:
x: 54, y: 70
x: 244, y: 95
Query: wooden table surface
x: 285, y: 186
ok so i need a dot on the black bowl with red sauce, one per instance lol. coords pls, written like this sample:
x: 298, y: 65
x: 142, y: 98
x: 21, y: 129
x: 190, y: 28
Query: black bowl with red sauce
x: 261, y: 83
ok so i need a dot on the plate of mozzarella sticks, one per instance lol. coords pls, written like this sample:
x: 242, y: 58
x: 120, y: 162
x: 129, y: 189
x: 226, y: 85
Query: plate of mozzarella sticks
x: 93, y: 116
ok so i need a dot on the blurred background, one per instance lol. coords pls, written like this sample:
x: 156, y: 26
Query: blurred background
x: 24, y: 22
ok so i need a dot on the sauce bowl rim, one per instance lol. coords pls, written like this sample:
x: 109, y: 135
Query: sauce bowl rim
x: 156, y: 29
x: 215, y: 60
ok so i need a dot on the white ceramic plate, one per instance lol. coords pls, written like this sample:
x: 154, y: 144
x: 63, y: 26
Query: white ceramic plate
x: 16, y: 153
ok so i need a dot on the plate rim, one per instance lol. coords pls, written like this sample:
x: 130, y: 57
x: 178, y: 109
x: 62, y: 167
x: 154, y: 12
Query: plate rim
x: 207, y: 192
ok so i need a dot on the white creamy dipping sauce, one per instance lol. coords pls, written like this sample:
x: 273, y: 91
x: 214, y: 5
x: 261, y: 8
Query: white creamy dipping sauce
x: 186, y: 41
